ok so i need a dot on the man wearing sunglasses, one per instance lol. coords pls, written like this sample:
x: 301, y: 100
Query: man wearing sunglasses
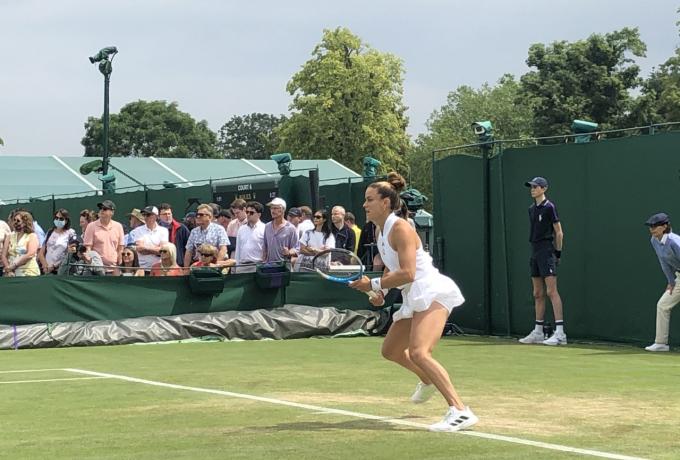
x: 250, y: 239
x: 546, y: 248
x: 205, y: 232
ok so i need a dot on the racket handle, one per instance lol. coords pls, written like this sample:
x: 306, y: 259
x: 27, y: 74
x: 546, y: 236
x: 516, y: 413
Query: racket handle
x: 371, y: 294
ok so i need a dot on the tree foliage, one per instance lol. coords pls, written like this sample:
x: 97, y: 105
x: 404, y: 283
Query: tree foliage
x: 250, y: 136
x: 155, y: 128
x: 587, y: 79
x: 450, y: 125
x: 347, y: 103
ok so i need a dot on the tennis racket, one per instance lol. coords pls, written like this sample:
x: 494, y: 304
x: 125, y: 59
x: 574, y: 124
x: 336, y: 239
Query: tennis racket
x: 339, y: 266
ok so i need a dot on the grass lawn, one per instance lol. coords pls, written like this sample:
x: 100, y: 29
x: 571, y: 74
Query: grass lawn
x: 617, y: 400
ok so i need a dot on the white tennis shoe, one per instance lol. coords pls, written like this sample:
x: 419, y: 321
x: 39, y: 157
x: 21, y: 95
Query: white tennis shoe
x: 423, y: 393
x: 533, y: 337
x: 558, y: 338
x: 658, y: 347
x: 455, y: 420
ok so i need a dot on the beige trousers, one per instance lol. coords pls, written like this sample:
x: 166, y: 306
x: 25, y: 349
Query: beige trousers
x: 663, y: 311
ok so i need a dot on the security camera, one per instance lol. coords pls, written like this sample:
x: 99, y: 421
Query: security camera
x: 582, y: 126
x: 482, y: 128
x: 103, y: 54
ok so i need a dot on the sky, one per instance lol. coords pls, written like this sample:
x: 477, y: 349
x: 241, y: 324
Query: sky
x: 218, y: 59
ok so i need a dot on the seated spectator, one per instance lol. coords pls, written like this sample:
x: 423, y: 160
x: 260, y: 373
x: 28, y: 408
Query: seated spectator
x: 208, y: 232
x: 168, y: 264
x: 130, y: 265
x: 53, y: 252
x: 315, y: 241
x: 207, y: 256
x: 86, y: 216
x: 80, y: 261
x: 21, y: 247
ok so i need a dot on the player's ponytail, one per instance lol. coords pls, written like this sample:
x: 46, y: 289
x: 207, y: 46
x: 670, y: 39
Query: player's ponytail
x: 390, y: 189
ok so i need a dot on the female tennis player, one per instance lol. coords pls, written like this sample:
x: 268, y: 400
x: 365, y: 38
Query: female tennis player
x: 428, y: 297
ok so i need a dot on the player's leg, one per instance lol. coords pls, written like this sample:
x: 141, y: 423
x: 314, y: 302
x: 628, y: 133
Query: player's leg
x: 395, y: 348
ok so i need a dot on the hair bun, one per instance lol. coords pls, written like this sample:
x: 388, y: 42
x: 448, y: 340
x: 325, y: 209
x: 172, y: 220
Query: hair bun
x: 396, y: 181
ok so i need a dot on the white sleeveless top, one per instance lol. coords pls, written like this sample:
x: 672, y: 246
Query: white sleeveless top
x: 390, y: 257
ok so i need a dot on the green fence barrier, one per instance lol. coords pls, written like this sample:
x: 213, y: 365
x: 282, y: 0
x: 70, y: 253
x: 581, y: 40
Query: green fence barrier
x: 609, y: 278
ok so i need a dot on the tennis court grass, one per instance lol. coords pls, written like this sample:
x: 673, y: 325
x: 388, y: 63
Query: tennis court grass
x: 617, y: 400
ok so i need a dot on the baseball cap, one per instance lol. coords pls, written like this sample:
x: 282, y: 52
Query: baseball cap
x: 137, y: 214
x: 277, y: 202
x: 150, y: 210
x: 107, y: 204
x: 295, y: 212
x: 539, y: 181
x: 658, y: 219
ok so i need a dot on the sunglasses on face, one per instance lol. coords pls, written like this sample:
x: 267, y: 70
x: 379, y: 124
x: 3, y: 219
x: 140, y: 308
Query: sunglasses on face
x: 201, y: 214
x: 127, y: 254
x: 17, y: 222
x: 206, y: 255
x: 59, y: 218
x: 250, y: 213
x: 163, y: 251
x: 318, y: 217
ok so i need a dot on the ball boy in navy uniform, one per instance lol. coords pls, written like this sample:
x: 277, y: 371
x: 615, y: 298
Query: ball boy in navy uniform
x: 546, y: 248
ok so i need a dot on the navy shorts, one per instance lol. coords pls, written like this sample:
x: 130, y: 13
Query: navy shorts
x: 543, y: 262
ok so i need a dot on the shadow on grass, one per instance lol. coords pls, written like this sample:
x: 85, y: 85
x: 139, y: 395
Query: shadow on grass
x: 362, y: 425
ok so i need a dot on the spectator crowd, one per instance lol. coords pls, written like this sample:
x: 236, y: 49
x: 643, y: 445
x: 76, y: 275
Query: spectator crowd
x: 153, y: 242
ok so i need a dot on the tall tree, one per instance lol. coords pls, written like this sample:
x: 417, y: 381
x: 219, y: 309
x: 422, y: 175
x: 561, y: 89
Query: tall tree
x: 450, y: 125
x: 347, y: 103
x: 659, y: 100
x: 151, y: 128
x: 250, y: 136
x: 587, y: 79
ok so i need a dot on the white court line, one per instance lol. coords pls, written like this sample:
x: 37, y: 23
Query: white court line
x: 20, y: 371
x: 327, y: 410
x: 51, y: 380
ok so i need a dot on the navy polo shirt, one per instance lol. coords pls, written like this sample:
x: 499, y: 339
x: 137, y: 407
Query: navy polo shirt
x: 541, y: 220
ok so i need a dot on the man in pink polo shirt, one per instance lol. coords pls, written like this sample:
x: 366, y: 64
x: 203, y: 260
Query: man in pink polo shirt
x: 106, y: 236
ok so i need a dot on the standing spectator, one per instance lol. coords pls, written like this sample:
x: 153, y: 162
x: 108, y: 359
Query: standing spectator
x: 305, y: 221
x: 344, y: 236
x: 20, y: 248
x: 130, y: 265
x: 190, y: 220
x: 148, y: 238
x: 53, y: 253
x: 105, y: 236
x: 178, y: 232
x: 315, y: 241
x: 238, y: 210
x: 206, y: 231
x: 37, y: 229
x: 546, y: 239
x: 280, y: 236
x: 224, y: 218
x: 368, y: 248
x: 136, y: 220
x: 294, y: 217
x: 167, y: 266
x: 86, y: 216
x: 666, y: 245
x: 250, y: 240
x: 4, y: 233
x: 351, y: 222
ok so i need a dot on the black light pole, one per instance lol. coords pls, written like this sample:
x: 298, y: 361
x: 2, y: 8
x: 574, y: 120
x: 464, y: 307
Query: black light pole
x: 105, y: 57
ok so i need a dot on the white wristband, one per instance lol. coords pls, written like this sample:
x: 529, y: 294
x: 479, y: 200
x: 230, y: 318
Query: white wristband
x: 376, y: 284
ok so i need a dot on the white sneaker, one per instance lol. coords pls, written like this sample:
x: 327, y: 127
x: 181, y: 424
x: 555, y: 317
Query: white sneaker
x: 658, y: 347
x: 455, y: 420
x: 423, y: 393
x: 558, y: 338
x: 533, y: 337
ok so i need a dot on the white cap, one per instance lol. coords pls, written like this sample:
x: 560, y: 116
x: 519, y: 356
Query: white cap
x: 277, y: 202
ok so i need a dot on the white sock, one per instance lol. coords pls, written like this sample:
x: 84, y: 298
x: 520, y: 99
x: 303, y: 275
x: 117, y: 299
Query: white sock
x: 559, y: 328
x: 538, y: 328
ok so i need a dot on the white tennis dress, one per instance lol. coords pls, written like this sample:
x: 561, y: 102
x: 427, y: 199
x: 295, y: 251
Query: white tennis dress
x: 428, y: 286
